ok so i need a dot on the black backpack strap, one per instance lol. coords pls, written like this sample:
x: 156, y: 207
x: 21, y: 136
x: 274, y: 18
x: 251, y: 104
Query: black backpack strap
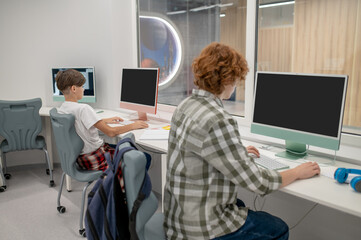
x: 92, y: 226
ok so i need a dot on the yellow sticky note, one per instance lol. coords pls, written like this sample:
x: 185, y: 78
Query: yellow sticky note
x: 166, y: 127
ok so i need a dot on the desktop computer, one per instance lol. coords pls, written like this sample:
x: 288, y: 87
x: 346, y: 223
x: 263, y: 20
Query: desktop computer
x: 139, y: 90
x: 302, y: 109
x: 89, y: 85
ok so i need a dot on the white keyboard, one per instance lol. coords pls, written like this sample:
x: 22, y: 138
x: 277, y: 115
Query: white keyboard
x: 269, y: 163
x: 328, y: 171
x: 123, y: 123
x: 126, y: 122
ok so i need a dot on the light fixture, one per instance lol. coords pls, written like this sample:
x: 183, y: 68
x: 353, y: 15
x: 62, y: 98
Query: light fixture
x: 222, y: 15
x: 210, y: 6
x: 178, y: 49
x: 197, y: 9
x: 176, y: 12
x: 225, y: 5
x: 276, y: 4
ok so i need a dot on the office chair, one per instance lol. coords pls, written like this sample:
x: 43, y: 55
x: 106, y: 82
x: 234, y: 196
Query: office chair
x: 69, y: 146
x: 149, y: 225
x: 20, y: 125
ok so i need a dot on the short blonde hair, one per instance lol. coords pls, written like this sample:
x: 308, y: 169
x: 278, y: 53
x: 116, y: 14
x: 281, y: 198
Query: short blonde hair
x: 218, y: 65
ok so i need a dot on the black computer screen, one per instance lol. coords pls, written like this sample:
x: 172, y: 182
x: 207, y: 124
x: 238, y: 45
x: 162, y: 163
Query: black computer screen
x: 308, y: 103
x: 139, y: 86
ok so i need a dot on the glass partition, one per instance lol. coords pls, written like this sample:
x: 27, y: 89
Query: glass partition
x: 314, y: 36
x: 172, y: 34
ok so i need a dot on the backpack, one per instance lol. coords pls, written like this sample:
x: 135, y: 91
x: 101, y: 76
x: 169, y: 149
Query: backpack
x: 107, y: 213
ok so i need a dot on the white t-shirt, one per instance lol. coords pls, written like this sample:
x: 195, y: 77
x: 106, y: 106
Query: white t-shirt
x: 85, y: 118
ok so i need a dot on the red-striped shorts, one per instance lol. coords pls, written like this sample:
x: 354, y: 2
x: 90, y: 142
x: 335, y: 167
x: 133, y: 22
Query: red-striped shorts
x: 96, y: 161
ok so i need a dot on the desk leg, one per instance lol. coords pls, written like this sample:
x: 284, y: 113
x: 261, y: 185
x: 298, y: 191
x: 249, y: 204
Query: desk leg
x: 68, y: 183
x: 164, y: 175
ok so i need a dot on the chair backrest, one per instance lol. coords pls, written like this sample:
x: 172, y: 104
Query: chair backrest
x: 69, y: 146
x: 133, y: 174
x: 20, y: 124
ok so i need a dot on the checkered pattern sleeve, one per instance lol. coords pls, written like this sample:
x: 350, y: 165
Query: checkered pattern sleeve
x: 223, y: 149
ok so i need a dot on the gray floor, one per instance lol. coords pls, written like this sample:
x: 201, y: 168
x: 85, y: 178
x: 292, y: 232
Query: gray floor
x: 28, y: 206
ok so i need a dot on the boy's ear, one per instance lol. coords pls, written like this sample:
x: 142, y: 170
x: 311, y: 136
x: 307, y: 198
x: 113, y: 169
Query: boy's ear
x: 72, y: 88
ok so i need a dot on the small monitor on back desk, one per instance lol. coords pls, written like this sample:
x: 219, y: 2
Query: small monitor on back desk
x: 139, y: 90
x: 300, y: 108
x: 89, y: 85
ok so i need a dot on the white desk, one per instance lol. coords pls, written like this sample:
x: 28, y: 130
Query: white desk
x: 156, y: 145
x: 318, y: 189
x: 321, y: 189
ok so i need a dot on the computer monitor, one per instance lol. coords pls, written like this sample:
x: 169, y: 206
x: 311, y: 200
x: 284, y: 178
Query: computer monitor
x: 303, y: 109
x: 139, y: 90
x: 89, y: 85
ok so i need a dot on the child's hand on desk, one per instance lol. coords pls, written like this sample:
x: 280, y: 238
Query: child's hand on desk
x: 307, y: 170
x: 138, y: 125
x: 303, y: 171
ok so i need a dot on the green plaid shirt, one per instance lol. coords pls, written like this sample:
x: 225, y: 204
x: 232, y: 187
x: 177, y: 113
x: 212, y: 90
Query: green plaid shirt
x: 206, y: 162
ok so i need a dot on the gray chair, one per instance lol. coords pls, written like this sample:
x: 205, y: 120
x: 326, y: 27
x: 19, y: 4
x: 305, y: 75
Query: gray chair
x: 20, y: 125
x: 69, y: 146
x: 149, y: 224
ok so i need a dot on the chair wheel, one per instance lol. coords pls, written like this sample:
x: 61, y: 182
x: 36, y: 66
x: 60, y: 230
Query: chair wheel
x: 61, y: 209
x: 7, y: 176
x: 2, y: 188
x: 82, y: 232
x: 52, y: 184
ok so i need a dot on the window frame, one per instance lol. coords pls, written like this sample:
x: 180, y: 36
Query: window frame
x: 347, y: 139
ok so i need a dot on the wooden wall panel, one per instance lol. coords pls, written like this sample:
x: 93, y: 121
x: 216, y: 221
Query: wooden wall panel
x: 324, y: 42
x: 275, y: 49
x: 325, y: 38
x: 354, y: 94
x: 233, y: 33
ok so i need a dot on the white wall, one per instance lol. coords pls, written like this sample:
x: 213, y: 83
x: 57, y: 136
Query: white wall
x: 37, y: 35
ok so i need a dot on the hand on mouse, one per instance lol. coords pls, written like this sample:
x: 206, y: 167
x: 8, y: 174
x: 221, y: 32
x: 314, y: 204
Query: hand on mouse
x: 252, y: 150
x: 139, y: 124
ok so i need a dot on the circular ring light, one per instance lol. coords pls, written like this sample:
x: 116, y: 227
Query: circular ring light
x: 160, y: 46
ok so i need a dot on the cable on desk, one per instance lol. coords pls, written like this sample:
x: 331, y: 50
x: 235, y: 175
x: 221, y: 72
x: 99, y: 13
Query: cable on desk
x: 256, y: 196
x: 331, y: 163
x: 266, y: 147
x: 299, y: 221
x: 254, y: 202
x: 299, y: 153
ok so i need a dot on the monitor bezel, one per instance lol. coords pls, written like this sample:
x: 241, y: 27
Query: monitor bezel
x: 86, y: 98
x: 308, y: 138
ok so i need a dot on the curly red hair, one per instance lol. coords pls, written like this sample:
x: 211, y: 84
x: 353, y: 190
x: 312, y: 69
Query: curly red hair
x: 218, y: 65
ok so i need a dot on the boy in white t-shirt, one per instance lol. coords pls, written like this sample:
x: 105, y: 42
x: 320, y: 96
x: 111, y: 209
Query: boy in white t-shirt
x: 87, y: 123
